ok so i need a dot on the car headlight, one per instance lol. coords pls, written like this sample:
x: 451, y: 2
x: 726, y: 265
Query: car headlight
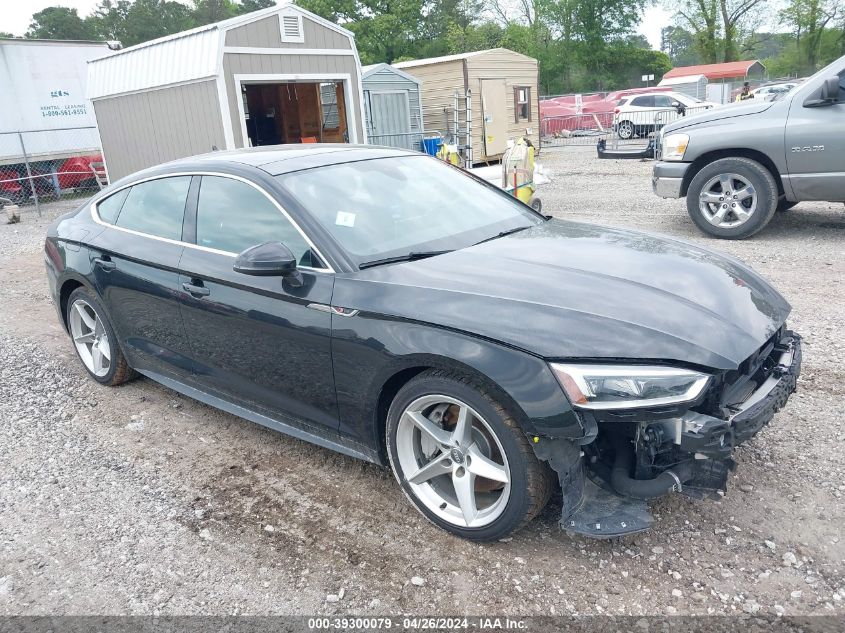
x: 628, y: 386
x: 674, y: 146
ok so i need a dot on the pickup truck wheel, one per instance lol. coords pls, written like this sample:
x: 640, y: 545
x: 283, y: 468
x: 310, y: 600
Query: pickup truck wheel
x: 732, y: 198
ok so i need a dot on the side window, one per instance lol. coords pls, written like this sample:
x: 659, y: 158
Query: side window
x: 643, y: 102
x: 156, y: 207
x: 662, y: 101
x: 110, y: 207
x: 522, y: 103
x: 232, y: 216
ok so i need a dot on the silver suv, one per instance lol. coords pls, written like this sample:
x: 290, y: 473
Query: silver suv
x: 737, y: 165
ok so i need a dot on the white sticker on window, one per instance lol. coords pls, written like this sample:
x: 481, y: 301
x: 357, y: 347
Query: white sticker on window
x: 345, y: 219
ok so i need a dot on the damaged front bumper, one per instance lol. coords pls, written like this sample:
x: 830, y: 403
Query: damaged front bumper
x: 700, y: 444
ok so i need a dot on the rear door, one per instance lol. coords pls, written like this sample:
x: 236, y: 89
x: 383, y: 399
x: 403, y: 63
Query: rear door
x: 390, y: 118
x: 261, y: 342
x: 815, y: 148
x: 135, y: 261
x: 494, y: 108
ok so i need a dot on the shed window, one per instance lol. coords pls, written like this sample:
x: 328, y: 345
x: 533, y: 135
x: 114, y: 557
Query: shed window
x: 522, y: 103
x: 291, y: 24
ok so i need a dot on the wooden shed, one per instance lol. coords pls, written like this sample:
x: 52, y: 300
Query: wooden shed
x: 504, y: 97
x: 392, y: 108
x: 278, y: 75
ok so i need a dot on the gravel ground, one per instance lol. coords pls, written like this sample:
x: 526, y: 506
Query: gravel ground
x: 136, y: 500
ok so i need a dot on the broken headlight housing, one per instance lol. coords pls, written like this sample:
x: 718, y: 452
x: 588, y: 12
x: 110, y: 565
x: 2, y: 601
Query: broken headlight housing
x: 628, y: 386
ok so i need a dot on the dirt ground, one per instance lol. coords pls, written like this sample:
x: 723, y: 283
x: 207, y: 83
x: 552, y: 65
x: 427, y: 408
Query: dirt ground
x: 136, y: 500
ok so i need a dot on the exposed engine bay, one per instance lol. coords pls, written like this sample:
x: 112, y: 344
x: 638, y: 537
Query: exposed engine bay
x: 636, y: 455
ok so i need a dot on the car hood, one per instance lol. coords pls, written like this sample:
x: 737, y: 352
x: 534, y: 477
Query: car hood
x: 728, y: 111
x: 572, y: 290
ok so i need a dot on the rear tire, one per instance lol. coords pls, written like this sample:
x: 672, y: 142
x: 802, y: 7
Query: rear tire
x: 94, y: 339
x: 714, y: 213
x: 437, y: 470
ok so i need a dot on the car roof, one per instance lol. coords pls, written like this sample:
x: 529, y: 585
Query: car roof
x: 282, y: 159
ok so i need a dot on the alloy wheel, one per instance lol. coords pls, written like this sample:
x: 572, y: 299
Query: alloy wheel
x: 727, y: 200
x: 453, y: 461
x: 90, y: 338
x: 626, y: 130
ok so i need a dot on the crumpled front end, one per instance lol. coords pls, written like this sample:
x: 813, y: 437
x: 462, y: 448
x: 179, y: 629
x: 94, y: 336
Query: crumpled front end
x: 637, y: 455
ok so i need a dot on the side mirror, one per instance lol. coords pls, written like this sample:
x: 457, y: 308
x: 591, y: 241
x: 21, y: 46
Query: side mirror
x: 828, y: 95
x: 270, y: 259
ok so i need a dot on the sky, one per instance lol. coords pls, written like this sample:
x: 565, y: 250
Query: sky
x: 16, y: 15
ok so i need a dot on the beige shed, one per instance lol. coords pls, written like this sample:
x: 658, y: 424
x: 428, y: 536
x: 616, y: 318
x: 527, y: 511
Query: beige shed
x: 503, y: 102
x: 278, y: 75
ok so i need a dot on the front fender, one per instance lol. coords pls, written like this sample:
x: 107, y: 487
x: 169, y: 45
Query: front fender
x: 369, y: 350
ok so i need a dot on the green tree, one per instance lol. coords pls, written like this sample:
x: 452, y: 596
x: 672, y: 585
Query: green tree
x: 59, y: 23
x: 248, y: 6
x: 679, y: 45
x: 149, y: 19
x: 808, y: 20
x: 701, y: 17
x: 109, y: 20
x: 210, y: 11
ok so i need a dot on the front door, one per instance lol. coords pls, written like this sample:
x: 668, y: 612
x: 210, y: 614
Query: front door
x: 135, y: 262
x: 257, y: 341
x: 494, y: 108
x: 390, y: 118
x: 815, y: 149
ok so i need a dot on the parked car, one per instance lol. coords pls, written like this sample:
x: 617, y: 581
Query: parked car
x: 769, y: 90
x: 386, y: 305
x: 738, y: 165
x: 644, y: 114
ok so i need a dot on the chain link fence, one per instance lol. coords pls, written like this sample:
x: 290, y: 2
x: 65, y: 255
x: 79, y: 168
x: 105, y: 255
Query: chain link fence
x: 38, y: 167
x: 620, y: 130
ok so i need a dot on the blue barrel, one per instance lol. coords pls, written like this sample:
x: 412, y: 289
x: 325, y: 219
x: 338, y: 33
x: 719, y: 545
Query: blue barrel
x: 431, y: 145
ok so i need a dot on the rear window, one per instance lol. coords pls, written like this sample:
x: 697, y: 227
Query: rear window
x: 156, y: 207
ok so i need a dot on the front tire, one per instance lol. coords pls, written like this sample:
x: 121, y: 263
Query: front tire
x: 732, y: 198
x: 94, y: 339
x: 462, y: 460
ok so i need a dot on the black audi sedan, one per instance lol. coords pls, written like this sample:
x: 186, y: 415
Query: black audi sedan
x: 386, y: 305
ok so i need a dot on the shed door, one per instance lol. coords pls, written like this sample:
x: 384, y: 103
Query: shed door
x: 494, y: 108
x: 390, y: 118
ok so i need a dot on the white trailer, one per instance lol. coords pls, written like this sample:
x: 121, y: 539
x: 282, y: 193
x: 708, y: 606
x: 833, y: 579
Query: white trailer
x: 42, y: 97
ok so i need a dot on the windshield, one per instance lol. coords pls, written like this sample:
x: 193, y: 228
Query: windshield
x: 393, y: 207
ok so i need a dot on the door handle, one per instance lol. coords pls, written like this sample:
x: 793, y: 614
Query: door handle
x: 105, y: 264
x: 196, y: 291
